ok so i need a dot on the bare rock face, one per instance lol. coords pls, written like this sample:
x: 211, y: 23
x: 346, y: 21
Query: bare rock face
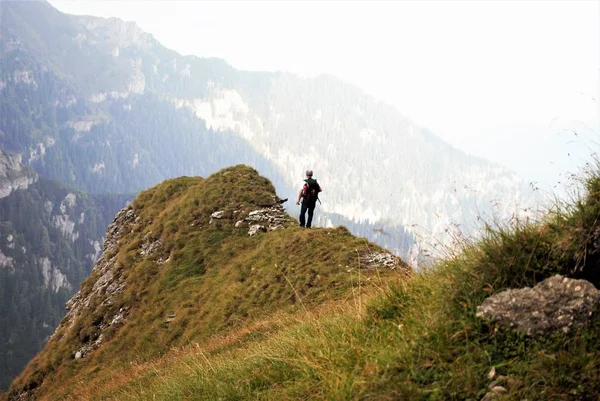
x: 255, y: 229
x: 108, y: 285
x: 557, y: 303
x: 13, y: 174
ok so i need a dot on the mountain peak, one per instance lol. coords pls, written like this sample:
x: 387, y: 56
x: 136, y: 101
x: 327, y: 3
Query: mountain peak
x: 118, y: 32
x: 181, y: 264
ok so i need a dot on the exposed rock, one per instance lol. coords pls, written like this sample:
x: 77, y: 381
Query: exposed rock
x: 53, y: 278
x: 119, y: 318
x: 66, y: 226
x: 83, y: 351
x: 125, y: 34
x: 255, y: 229
x: 162, y: 261
x: 218, y: 215
x: 149, y: 246
x: 37, y: 152
x: 98, y: 168
x: 5, y: 261
x: 63, y: 221
x: 258, y: 215
x: 24, y: 77
x: 48, y: 206
x: 97, y: 251
x: 81, y: 126
x: 13, y: 174
x: 556, y: 304
x: 372, y: 260
x: 271, y: 219
x: 108, y: 285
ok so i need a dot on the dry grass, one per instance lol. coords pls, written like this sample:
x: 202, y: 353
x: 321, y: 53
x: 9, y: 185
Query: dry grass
x: 334, y: 331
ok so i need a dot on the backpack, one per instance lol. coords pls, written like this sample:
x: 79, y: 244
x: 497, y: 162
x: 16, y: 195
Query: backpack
x: 311, y: 190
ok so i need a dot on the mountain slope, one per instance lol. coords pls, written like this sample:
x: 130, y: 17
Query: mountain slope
x: 180, y: 267
x: 416, y: 339
x: 375, y: 164
x: 49, y: 240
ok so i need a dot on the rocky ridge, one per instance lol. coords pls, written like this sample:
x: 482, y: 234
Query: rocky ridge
x: 219, y: 238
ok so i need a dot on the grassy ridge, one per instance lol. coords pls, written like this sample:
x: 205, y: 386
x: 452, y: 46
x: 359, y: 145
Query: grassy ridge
x: 417, y: 340
x: 216, y: 280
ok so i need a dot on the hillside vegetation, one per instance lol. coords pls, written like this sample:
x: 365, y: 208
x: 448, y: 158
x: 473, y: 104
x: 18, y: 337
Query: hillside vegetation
x: 174, y: 275
x: 418, y: 339
x: 415, y: 339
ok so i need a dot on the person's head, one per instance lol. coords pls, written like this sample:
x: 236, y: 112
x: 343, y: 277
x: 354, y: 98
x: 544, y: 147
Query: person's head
x: 309, y: 173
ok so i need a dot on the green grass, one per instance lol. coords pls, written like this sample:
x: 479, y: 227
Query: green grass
x: 397, y: 339
x: 217, y: 279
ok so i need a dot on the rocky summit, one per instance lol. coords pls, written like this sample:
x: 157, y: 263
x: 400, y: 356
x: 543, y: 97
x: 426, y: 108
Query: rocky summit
x: 185, y: 263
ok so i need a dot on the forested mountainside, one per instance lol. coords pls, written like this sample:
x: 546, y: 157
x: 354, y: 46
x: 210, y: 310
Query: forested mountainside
x: 50, y: 237
x: 113, y: 110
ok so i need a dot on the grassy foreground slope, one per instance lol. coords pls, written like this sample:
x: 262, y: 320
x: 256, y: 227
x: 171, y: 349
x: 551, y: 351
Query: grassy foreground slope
x: 417, y: 339
x: 182, y: 278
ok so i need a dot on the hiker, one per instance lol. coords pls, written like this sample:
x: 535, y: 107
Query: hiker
x: 309, y: 195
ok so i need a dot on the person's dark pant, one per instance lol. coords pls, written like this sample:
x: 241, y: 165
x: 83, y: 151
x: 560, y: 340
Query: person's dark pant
x: 303, y: 210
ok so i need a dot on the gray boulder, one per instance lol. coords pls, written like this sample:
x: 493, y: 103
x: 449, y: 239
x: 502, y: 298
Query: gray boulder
x: 557, y: 303
x: 255, y: 229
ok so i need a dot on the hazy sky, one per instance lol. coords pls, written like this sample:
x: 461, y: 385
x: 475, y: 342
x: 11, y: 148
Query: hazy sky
x: 502, y: 80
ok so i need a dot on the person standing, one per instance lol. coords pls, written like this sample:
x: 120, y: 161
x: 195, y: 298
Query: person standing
x: 309, y: 194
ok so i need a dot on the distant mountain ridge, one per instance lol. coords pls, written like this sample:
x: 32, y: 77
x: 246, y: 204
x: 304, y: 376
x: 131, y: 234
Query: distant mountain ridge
x: 121, y: 86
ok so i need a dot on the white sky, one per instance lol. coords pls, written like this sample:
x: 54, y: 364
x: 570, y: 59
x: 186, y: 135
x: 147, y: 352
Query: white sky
x: 500, y: 80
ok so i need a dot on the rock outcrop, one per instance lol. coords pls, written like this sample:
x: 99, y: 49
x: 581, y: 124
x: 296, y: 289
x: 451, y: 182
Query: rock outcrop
x: 265, y: 219
x: 382, y: 260
x: 556, y: 304
x: 13, y: 174
x: 109, y: 283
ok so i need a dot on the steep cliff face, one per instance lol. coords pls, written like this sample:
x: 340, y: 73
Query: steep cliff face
x: 192, y: 259
x: 109, y: 284
x: 13, y: 174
